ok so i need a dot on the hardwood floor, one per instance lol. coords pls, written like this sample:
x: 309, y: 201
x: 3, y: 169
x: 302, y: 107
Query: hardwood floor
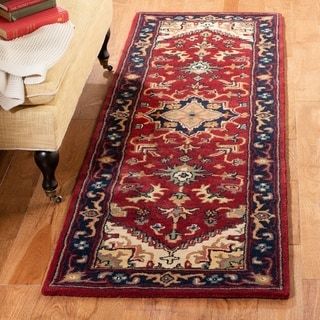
x: 30, y: 225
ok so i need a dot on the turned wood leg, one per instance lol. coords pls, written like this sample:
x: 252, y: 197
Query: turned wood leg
x: 103, y: 55
x: 47, y: 161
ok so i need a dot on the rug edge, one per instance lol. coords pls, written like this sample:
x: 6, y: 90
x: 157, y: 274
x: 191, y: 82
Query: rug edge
x: 49, y: 274
x: 282, y: 294
x: 283, y: 159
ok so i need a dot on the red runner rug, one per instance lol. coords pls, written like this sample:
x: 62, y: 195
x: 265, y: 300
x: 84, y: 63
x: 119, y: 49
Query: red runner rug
x: 183, y: 191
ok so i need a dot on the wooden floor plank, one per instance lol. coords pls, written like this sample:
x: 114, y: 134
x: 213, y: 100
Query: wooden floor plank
x: 308, y: 133
x: 294, y: 212
x: 30, y: 252
x: 311, y: 293
x: 251, y: 6
x: 17, y: 302
x: 231, y: 5
x: 293, y: 192
x: 5, y: 160
x: 16, y: 189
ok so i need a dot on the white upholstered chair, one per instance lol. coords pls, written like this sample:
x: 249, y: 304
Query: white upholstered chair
x: 40, y: 124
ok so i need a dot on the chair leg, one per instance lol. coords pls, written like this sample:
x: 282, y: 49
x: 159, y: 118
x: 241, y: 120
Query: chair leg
x: 103, y: 55
x: 47, y: 162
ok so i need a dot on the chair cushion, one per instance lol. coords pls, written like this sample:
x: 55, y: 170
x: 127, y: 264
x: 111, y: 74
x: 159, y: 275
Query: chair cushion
x: 42, y: 126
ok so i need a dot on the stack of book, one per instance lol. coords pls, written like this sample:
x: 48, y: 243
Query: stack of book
x: 20, y: 17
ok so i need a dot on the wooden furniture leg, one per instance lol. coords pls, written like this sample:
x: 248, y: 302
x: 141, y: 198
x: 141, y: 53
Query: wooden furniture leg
x: 103, y: 55
x: 47, y: 161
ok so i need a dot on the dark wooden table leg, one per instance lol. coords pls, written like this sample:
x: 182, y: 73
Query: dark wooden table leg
x: 47, y: 161
x: 103, y: 55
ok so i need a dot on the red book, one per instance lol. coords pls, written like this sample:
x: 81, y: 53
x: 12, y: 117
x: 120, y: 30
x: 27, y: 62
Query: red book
x: 23, y: 26
x: 13, y: 5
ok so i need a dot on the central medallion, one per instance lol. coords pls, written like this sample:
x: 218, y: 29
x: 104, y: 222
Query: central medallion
x: 199, y: 67
x: 192, y: 115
